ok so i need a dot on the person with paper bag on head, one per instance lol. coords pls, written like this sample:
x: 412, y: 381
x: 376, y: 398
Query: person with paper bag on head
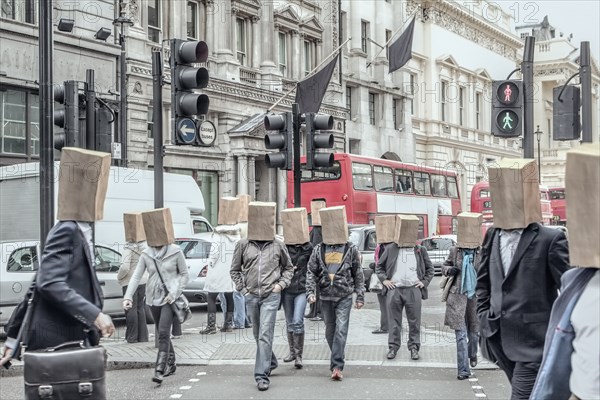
x: 316, y: 237
x: 240, y: 313
x: 405, y: 271
x: 67, y: 296
x: 297, y: 241
x: 218, y: 280
x: 334, y: 267
x: 136, y: 328
x: 570, y: 368
x: 385, y: 226
x: 261, y: 269
x: 167, y: 276
x: 461, y: 302
x: 518, y: 275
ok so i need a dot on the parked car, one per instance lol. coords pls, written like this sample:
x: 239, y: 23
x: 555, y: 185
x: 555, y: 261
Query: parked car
x: 438, y: 248
x: 196, y: 250
x: 364, y: 237
x: 20, y: 262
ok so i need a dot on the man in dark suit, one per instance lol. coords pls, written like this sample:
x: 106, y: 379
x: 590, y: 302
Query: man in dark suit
x: 518, y: 276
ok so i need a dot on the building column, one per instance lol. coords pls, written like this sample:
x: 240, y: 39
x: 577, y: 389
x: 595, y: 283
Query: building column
x: 267, y: 28
x: 242, y: 176
x: 275, y: 48
x: 256, y: 48
x: 294, y: 64
x: 281, y: 196
x: 252, y: 176
x: 210, y: 24
x: 355, y: 24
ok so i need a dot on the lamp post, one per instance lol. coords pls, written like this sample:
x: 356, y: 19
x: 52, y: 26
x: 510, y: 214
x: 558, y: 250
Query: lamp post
x: 122, y: 134
x: 539, y: 134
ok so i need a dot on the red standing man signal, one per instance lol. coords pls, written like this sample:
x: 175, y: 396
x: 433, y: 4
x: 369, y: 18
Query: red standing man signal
x: 507, y: 93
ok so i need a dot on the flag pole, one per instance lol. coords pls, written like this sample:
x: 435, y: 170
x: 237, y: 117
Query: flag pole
x: 389, y: 41
x: 309, y: 75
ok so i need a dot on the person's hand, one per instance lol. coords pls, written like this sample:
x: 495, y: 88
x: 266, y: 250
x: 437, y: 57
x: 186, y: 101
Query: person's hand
x: 389, y: 284
x: 452, y: 271
x: 127, y: 304
x: 359, y: 305
x: 6, y: 356
x: 312, y: 299
x: 277, y: 288
x: 168, y: 299
x: 104, y: 323
x: 419, y: 285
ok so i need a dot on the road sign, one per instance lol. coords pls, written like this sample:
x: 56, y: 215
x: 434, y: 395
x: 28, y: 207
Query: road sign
x: 207, y: 133
x: 186, y: 130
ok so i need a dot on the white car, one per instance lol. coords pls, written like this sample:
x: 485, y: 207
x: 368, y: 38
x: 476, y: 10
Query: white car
x: 196, y: 250
x: 20, y: 262
x: 438, y: 249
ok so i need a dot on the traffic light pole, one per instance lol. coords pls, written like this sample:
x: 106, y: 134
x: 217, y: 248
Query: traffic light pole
x: 585, y: 76
x: 46, y: 122
x: 297, y: 170
x: 157, y: 130
x: 90, y: 111
x: 528, y: 91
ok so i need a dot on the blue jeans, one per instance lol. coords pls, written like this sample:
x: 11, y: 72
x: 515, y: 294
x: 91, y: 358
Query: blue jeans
x: 294, y: 306
x: 336, y: 315
x: 239, y: 310
x: 263, y: 313
x: 466, y: 348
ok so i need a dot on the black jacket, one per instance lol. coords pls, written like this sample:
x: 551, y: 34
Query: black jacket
x: 300, y: 254
x: 386, y: 267
x: 518, y: 305
x: 316, y: 235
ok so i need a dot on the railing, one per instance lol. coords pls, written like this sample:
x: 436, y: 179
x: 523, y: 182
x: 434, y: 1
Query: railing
x: 248, y: 76
x: 550, y: 153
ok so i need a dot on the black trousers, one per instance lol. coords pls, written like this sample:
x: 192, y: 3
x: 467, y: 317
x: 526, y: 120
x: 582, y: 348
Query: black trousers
x: 136, y: 329
x: 163, y: 320
x: 212, y: 301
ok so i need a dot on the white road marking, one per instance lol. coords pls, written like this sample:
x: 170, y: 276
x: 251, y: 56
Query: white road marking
x: 473, y: 379
x: 480, y: 395
x: 185, y: 388
x: 201, y: 373
x: 194, y: 380
x: 476, y: 387
x: 176, y: 396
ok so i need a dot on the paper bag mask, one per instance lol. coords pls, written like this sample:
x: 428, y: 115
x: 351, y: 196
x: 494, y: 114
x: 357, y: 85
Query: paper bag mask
x: 158, y: 225
x: 244, y: 201
x: 295, y: 226
x: 82, y: 184
x: 134, y: 227
x: 407, y: 230
x: 229, y: 211
x: 582, y: 193
x: 261, y: 221
x: 385, y: 228
x: 315, y: 206
x: 515, y: 193
x: 334, y: 225
x: 469, y: 230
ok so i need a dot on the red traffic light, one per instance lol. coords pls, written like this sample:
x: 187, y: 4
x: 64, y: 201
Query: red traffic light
x: 507, y: 93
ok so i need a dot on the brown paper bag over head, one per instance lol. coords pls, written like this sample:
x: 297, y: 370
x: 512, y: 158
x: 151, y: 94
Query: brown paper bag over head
x: 261, y: 221
x: 134, y: 227
x: 82, y: 184
x: 229, y: 211
x: 583, y: 196
x: 244, y: 201
x: 469, y: 230
x: 315, y: 206
x: 407, y: 230
x: 334, y: 225
x: 385, y: 228
x: 515, y: 193
x: 295, y: 226
x: 158, y: 225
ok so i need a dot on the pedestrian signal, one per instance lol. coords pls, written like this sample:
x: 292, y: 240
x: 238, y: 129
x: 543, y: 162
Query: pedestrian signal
x: 507, y: 108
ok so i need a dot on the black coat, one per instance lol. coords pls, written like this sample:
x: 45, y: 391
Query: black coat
x: 518, y: 305
x: 69, y: 296
x: 386, y: 267
x: 300, y: 254
x: 316, y: 235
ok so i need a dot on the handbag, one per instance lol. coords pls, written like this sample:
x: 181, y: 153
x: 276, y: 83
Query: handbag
x: 375, y: 284
x: 180, y: 306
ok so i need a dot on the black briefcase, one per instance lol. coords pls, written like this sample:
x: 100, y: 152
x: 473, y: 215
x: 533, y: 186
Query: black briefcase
x: 67, y: 371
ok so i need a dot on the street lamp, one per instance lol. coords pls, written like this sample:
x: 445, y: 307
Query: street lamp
x: 122, y: 134
x: 539, y: 134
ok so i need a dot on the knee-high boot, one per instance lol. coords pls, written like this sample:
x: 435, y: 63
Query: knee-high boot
x: 292, y: 355
x: 211, y: 326
x: 171, y: 367
x: 298, y: 349
x: 161, y: 361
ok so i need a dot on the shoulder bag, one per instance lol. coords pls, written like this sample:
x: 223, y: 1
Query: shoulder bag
x: 375, y: 284
x: 180, y: 305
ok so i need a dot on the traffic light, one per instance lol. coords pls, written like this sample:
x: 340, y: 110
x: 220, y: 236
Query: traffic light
x: 507, y: 108
x: 314, y: 141
x: 185, y: 104
x: 103, y: 137
x: 67, y: 118
x: 566, y: 124
x: 282, y: 140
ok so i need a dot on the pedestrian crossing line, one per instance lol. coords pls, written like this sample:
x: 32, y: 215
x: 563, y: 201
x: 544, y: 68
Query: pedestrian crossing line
x: 194, y: 380
x: 201, y: 373
x: 477, y: 387
x: 480, y: 395
x: 176, y: 396
x: 185, y: 388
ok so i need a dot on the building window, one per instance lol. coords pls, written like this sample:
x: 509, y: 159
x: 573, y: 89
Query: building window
x: 19, y: 123
x: 412, y: 91
x: 154, y: 16
x: 309, y: 56
x: 282, y: 53
x: 349, y: 99
x: 444, y: 101
x: 478, y: 110
x: 388, y: 36
x: 461, y: 105
x: 364, y: 35
x: 19, y: 10
x: 398, y: 112
x: 354, y: 145
x: 242, y: 42
x: 192, y: 20
x: 372, y: 97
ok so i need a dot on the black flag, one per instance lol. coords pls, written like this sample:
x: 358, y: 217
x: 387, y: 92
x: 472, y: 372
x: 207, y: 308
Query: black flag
x: 310, y: 92
x: 401, y: 50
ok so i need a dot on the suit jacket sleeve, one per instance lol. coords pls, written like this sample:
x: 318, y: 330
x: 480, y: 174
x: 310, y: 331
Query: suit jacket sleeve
x: 483, y: 274
x: 287, y: 268
x: 558, y: 257
x: 380, y: 267
x: 236, y: 269
x: 429, y: 271
x: 57, y: 262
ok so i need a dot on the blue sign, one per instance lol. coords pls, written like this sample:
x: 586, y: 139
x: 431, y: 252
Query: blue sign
x: 186, y: 129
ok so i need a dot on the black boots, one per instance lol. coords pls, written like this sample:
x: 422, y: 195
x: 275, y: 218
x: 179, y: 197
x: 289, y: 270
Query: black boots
x: 228, y: 324
x: 292, y: 355
x: 161, y: 361
x: 211, y: 326
x: 171, y: 366
x: 298, y: 349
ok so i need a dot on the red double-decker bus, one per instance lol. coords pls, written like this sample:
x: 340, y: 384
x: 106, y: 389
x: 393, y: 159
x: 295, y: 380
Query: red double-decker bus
x: 559, y: 206
x: 481, y: 202
x: 371, y: 186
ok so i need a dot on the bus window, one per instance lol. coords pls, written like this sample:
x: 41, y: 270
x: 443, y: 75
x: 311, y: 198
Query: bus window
x: 557, y: 194
x: 422, y: 184
x: 362, y: 178
x: 322, y: 174
x: 404, y: 181
x: 484, y: 193
x: 544, y: 195
x: 438, y: 185
x: 384, y: 180
x: 452, y: 187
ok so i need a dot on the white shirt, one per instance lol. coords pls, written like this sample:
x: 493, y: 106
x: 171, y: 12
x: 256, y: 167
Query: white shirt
x: 86, y: 230
x: 509, y: 241
x: 406, y: 268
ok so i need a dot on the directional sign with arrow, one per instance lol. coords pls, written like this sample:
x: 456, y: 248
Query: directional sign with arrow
x: 186, y: 131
